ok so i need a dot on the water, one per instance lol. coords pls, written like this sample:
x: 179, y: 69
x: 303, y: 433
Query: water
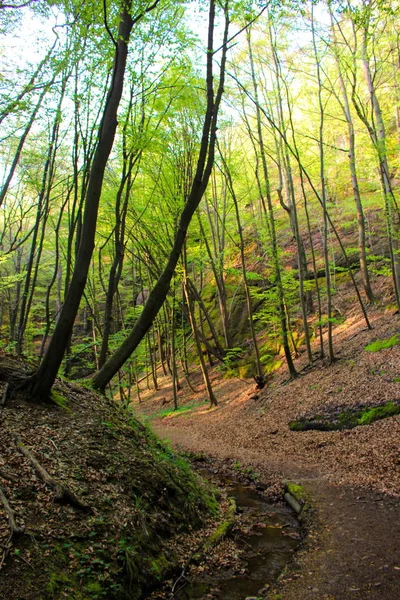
x: 268, y: 550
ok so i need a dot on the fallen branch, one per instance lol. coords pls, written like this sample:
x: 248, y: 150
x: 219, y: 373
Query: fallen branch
x: 15, y: 529
x: 179, y: 584
x: 63, y: 495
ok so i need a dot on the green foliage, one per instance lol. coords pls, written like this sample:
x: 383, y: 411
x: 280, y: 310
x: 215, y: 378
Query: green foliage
x: 333, y: 320
x: 171, y: 411
x: 383, y: 344
x: 232, y: 355
x: 253, y: 276
x: 248, y: 472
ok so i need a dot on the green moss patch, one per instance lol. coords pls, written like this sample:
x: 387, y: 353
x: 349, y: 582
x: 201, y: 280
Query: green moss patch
x: 383, y: 344
x: 225, y: 527
x: 297, y: 492
x: 345, y: 418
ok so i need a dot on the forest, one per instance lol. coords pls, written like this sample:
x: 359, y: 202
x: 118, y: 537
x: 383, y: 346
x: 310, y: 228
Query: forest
x: 199, y: 254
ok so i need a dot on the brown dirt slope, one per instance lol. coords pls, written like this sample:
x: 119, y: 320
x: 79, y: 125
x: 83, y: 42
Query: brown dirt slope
x: 128, y: 496
x: 353, y: 476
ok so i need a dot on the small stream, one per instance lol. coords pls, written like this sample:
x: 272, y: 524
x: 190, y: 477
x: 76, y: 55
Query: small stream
x: 269, y: 546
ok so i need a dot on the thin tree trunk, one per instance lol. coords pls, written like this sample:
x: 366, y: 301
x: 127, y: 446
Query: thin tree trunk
x: 259, y: 369
x: 192, y: 320
x: 271, y: 219
x: 353, y: 168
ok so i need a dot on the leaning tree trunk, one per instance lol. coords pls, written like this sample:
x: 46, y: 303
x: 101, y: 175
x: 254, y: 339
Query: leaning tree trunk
x: 42, y: 381
x: 202, y: 176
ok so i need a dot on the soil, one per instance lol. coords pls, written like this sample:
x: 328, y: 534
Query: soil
x: 352, y: 476
x: 126, y: 497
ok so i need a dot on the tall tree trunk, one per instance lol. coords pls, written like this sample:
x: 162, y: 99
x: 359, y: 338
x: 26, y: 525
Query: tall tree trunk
x: 192, y: 320
x: 259, y: 369
x: 271, y: 219
x: 331, y: 356
x: 203, y: 171
x: 42, y: 381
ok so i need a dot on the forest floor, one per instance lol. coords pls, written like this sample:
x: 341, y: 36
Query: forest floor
x: 353, y: 477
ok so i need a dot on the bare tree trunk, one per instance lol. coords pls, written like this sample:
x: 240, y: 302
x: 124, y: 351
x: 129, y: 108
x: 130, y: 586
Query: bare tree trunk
x: 331, y: 355
x: 259, y: 369
x: 192, y: 320
x: 353, y: 169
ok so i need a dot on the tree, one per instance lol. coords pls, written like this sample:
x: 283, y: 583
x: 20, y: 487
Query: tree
x: 200, y: 181
x: 42, y: 381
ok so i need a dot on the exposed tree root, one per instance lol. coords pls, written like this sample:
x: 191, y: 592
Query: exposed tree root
x: 15, y: 529
x: 9, y: 476
x: 63, y: 495
x: 3, y: 399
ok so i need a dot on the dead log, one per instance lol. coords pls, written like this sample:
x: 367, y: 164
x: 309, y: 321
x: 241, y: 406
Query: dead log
x: 63, y: 495
x: 293, y: 503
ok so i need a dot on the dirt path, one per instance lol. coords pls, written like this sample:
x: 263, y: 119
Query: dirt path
x: 352, y: 552
x: 353, y: 476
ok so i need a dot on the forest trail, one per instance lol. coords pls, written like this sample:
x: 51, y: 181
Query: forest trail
x: 352, y: 550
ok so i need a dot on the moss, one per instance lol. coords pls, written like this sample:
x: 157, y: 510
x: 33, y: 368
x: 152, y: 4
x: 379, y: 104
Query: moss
x: 346, y: 419
x: 383, y: 344
x: 56, y: 582
x: 225, y: 527
x: 159, y: 566
x: 94, y: 589
x: 379, y: 412
x: 297, y: 491
x: 59, y: 399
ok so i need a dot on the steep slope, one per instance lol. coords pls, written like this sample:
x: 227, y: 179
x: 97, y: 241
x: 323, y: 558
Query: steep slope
x: 89, y: 498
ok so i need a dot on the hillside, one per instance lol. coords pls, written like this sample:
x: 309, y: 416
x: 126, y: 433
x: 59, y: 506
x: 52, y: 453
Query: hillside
x: 90, y: 500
